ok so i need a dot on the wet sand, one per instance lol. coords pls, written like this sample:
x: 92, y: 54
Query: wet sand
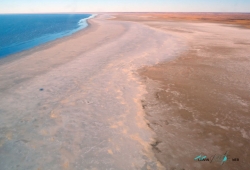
x: 199, y: 103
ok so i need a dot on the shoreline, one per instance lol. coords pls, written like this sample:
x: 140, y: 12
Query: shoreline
x: 76, y: 105
x: 80, y: 101
x: 45, y: 45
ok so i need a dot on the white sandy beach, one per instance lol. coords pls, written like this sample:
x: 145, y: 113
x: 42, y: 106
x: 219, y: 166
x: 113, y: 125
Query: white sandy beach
x: 88, y: 115
x: 75, y: 103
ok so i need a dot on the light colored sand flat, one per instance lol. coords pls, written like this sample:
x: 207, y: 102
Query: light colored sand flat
x: 199, y: 103
x: 75, y: 103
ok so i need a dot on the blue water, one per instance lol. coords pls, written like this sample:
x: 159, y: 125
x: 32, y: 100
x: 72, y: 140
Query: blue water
x: 19, y: 32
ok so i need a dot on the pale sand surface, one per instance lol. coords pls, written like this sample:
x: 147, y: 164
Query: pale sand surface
x: 75, y: 103
x: 200, y: 102
x: 90, y: 113
x: 234, y: 19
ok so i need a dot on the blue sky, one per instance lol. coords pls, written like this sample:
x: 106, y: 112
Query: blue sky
x: 53, y: 6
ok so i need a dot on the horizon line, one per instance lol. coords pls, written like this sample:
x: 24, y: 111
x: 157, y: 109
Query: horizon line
x: 115, y: 12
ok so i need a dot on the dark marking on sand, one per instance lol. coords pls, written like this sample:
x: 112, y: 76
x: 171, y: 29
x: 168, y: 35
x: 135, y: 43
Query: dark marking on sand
x: 154, y: 145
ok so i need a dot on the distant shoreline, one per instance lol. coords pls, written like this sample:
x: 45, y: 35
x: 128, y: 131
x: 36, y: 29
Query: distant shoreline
x: 44, y: 39
x: 46, y: 45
